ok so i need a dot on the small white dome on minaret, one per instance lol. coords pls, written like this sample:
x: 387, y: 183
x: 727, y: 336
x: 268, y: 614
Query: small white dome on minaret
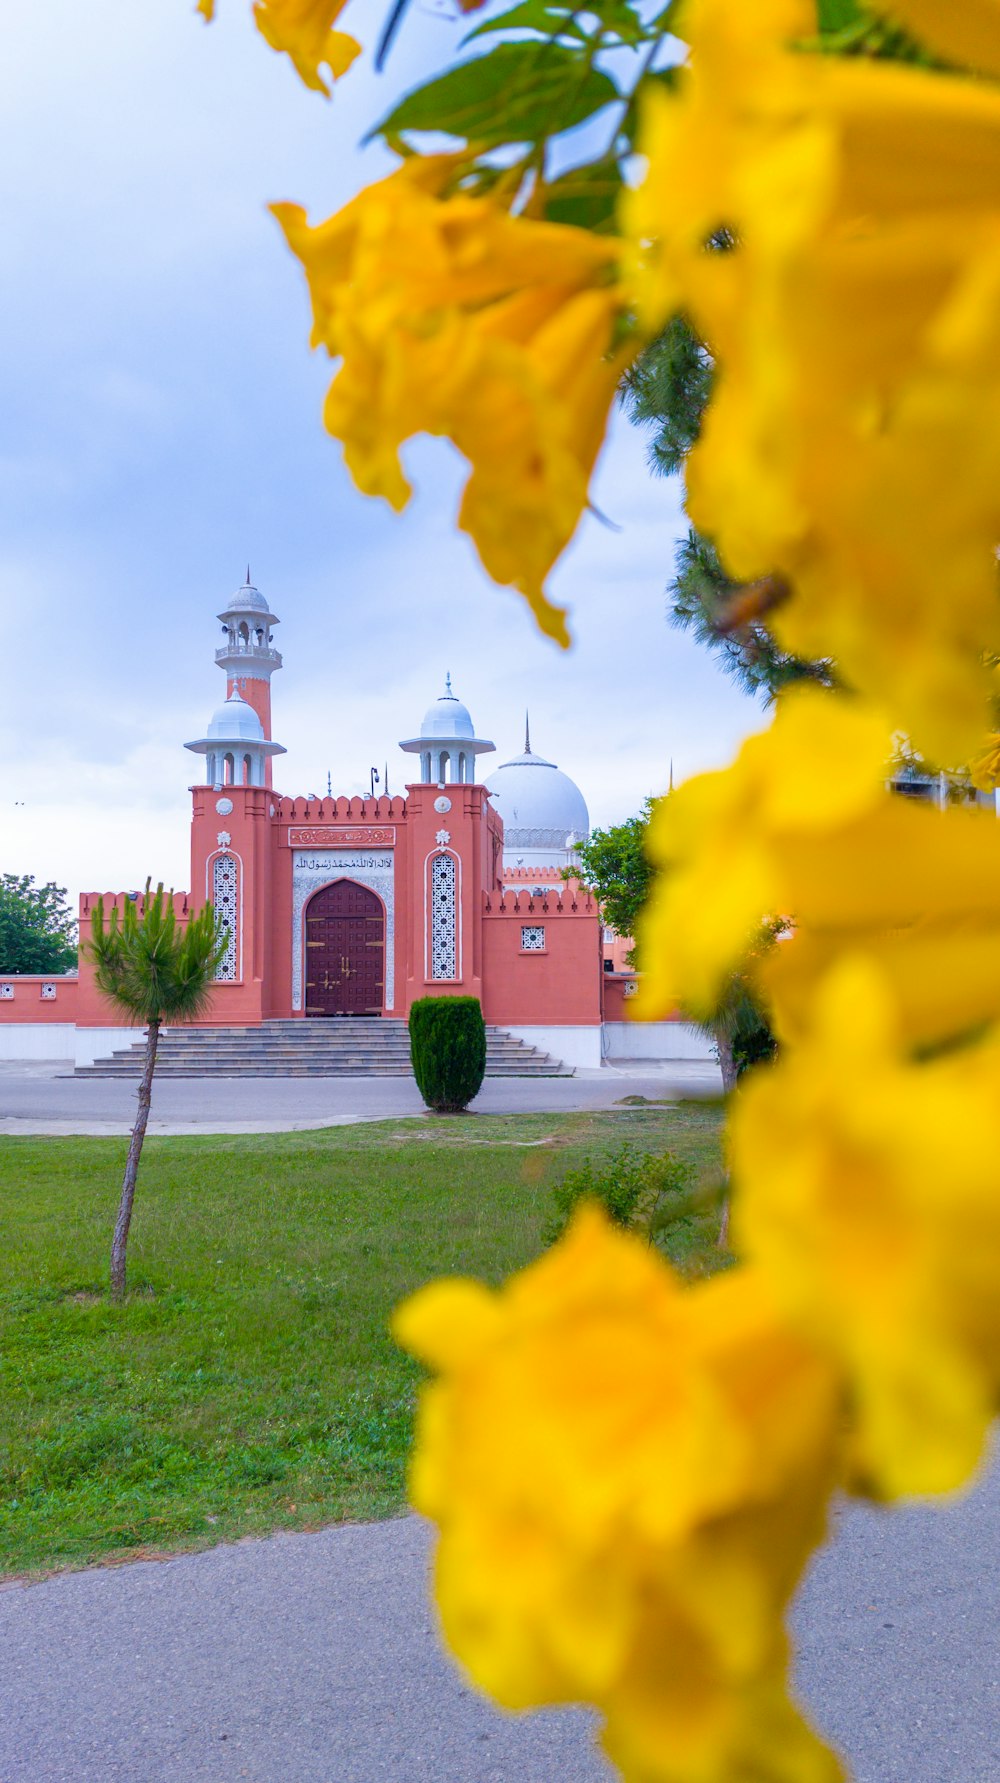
x: 235, y: 747
x: 249, y: 659
x: 447, y: 744
x: 249, y: 646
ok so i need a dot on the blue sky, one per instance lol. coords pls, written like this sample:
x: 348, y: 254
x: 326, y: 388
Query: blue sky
x: 159, y: 426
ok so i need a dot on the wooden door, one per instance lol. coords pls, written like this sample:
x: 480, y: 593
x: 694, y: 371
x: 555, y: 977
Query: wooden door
x: 345, y: 951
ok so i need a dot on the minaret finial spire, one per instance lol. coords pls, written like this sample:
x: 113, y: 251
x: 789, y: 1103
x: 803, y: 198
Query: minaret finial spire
x: 527, y: 734
x: 447, y: 687
x: 248, y: 583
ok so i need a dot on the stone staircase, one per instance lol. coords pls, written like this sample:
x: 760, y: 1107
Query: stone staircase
x: 359, y: 1046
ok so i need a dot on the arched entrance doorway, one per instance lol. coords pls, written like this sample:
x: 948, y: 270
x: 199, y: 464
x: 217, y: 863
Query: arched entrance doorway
x: 345, y: 951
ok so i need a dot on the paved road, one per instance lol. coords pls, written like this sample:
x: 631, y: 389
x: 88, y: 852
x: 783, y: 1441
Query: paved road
x: 311, y: 1659
x: 40, y: 1099
x: 898, y: 1634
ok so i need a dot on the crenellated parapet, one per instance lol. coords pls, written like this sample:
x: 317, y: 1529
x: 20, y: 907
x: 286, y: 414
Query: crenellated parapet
x: 183, y: 906
x: 356, y: 808
x: 555, y: 900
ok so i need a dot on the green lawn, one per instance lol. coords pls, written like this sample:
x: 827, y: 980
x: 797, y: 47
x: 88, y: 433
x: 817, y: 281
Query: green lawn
x: 249, y: 1383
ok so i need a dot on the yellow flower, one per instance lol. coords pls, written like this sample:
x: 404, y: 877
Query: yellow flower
x: 985, y: 772
x: 532, y: 434
x: 303, y: 29
x: 718, y: 839
x: 737, y: 94
x: 855, y: 460
x: 657, y: 1736
x: 453, y: 317
x: 802, y: 827
x: 868, y: 1191
x: 628, y: 1476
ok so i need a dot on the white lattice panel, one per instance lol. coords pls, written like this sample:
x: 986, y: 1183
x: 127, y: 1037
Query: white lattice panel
x: 532, y: 938
x: 443, y: 953
x: 226, y: 900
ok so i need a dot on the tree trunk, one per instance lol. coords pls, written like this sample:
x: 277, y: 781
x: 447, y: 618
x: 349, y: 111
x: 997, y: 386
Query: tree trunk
x: 724, y: 1048
x: 723, y: 1239
x: 120, y: 1241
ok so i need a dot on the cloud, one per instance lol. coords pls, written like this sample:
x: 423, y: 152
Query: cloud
x: 160, y: 423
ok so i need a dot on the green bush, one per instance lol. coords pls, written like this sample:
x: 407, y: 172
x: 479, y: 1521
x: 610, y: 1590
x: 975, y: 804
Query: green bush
x: 753, y: 1043
x: 448, y: 1051
x: 634, y: 1189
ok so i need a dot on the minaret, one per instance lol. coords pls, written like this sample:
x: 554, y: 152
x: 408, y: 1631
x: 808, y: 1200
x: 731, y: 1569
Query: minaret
x: 447, y: 744
x: 236, y: 751
x: 248, y: 654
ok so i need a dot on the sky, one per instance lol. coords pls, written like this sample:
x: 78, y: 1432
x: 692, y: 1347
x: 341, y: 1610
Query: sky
x: 160, y: 429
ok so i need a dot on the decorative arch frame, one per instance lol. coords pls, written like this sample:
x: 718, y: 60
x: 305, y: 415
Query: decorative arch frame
x: 382, y: 881
x: 300, y: 940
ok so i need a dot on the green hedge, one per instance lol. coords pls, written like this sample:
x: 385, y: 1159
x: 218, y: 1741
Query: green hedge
x: 448, y: 1051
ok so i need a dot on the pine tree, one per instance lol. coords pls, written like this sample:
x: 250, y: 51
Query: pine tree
x: 152, y: 972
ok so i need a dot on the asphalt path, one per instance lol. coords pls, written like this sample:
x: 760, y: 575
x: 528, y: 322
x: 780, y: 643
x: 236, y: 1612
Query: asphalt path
x: 43, y: 1099
x: 313, y: 1659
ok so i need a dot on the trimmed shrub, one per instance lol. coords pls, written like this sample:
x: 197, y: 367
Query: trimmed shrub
x: 448, y: 1051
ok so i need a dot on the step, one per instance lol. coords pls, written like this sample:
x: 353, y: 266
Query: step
x: 364, y: 1046
x: 233, y: 1073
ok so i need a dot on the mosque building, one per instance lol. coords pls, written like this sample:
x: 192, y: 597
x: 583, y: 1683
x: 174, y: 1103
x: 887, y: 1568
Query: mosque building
x: 356, y: 906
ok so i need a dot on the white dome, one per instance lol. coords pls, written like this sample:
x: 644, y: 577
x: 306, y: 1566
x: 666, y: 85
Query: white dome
x: 250, y: 598
x: 235, y: 722
x: 447, y: 718
x: 541, y: 807
x: 247, y: 599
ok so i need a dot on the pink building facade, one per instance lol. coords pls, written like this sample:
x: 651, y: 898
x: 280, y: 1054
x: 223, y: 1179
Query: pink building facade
x: 338, y: 907
x: 341, y: 907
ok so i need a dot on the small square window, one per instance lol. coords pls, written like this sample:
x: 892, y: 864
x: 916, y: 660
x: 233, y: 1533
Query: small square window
x: 6, y: 993
x: 48, y: 993
x: 532, y: 938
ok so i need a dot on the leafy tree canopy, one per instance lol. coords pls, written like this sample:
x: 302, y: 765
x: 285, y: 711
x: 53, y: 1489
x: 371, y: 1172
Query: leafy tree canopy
x: 37, y: 928
x: 614, y: 864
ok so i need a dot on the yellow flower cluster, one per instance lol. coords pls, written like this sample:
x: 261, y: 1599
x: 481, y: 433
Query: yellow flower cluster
x: 869, y: 1197
x: 303, y: 30
x: 630, y: 1472
x: 855, y: 317
x: 451, y: 316
x: 802, y: 826
x: 628, y: 1476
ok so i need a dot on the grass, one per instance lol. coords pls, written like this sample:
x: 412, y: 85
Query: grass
x: 249, y: 1382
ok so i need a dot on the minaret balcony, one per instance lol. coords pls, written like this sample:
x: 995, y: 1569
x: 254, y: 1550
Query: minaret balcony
x: 240, y: 652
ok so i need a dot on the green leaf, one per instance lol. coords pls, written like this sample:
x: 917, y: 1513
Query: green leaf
x: 586, y: 197
x: 621, y: 17
x: 553, y: 20
x: 534, y: 15
x: 839, y: 15
x: 520, y: 92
